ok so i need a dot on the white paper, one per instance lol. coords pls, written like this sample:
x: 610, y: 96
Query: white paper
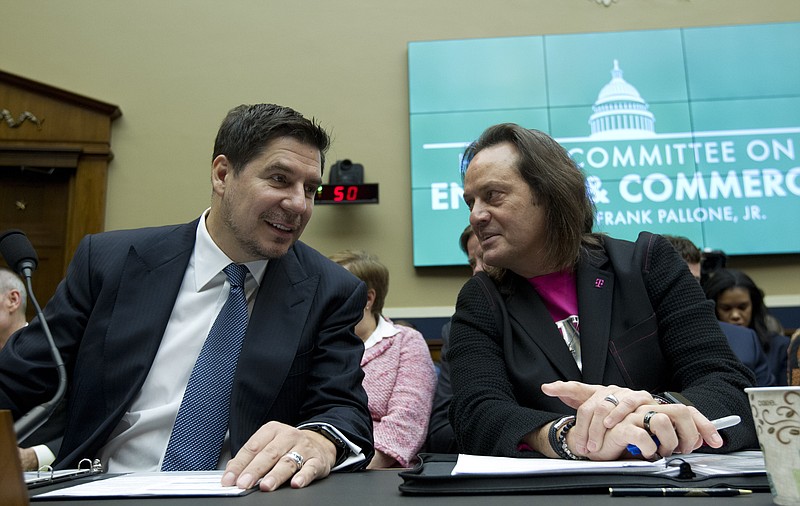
x: 478, y: 464
x: 184, y: 484
x: 706, y: 464
x: 723, y: 464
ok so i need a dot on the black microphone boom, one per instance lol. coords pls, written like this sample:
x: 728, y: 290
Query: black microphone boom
x: 20, y: 256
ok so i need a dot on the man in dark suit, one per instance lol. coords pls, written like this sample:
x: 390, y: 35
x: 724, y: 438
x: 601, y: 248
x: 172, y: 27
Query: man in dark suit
x: 572, y: 344
x: 38, y: 449
x: 133, y: 312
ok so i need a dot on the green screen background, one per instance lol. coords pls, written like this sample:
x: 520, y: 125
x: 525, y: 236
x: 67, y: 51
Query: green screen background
x: 733, y: 86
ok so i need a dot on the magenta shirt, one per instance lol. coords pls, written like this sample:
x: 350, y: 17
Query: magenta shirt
x: 559, y: 293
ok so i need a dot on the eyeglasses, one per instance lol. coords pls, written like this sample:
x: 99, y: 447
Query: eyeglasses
x: 467, y: 157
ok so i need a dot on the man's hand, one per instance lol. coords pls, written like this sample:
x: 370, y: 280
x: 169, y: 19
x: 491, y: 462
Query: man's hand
x: 28, y: 459
x: 595, y: 414
x: 264, y: 457
x: 679, y: 428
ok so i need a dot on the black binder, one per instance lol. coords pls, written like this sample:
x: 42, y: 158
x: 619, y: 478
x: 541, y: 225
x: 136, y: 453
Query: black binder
x: 432, y: 476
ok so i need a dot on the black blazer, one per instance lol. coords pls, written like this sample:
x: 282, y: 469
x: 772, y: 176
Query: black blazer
x: 645, y: 324
x: 300, y: 360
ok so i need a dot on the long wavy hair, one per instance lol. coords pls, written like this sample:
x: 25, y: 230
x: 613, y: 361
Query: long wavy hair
x: 557, y: 184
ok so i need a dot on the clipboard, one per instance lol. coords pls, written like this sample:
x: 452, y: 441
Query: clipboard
x: 433, y: 476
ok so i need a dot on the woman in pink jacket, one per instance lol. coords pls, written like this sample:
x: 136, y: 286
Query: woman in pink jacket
x: 399, y: 375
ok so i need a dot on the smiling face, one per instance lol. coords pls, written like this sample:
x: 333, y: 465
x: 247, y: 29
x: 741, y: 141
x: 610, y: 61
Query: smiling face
x: 734, y: 306
x: 259, y: 212
x: 503, y: 212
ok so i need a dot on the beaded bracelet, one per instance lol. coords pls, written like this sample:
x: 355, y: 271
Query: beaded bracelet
x: 558, y: 440
x: 552, y: 435
x: 562, y: 441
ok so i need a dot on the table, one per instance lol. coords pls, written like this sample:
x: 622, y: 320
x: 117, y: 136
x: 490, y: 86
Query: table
x: 379, y: 488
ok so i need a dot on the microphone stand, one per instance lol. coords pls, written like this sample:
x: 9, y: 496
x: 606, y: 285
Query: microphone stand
x: 36, y: 417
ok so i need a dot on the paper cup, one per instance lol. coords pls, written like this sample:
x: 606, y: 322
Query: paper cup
x: 776, y: 411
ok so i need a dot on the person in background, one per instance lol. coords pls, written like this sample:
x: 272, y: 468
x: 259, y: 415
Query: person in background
x: 222, y: 343
x: 578, y: 344
x: 13, y: 303
x: 440, y: 433
x: 740, y: 301
x: 399, y: 376
x: 774, y: 325
x: 794, y: 359
x: 689, y: 252
x: 744, y: 341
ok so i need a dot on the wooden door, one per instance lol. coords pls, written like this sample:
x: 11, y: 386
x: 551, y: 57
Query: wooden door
x: 34, y: 200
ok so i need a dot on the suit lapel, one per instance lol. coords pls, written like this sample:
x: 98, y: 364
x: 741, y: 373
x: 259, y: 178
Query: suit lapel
x: 271, y: 343
x: 595, y: 289
x: 149, y: 285
x: 534, y: 329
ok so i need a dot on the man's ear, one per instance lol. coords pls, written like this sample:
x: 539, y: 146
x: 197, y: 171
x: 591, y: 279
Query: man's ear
x: 14, y: 300
x: 220, y: 170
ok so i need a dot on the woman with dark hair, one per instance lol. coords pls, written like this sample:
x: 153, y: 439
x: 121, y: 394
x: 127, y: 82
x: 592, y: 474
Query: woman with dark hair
x: 741, y: 302
x: 572, y: 344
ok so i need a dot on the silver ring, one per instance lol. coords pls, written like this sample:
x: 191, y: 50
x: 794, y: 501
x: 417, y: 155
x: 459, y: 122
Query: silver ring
x: 647, y: 417
x: 297, y: 459
x: 612, y: 399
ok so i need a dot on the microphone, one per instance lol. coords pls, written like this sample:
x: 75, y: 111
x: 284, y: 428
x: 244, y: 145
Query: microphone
x: 21, y: 257
x: 18, y: 252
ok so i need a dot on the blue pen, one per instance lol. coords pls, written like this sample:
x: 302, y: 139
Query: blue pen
x: 719, y: 423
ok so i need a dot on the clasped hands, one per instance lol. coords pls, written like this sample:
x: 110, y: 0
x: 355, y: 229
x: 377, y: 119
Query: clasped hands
x: 278, y: 452
x: 604, y: 428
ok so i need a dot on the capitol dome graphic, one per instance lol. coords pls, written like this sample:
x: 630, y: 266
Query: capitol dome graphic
x: 620, y: 112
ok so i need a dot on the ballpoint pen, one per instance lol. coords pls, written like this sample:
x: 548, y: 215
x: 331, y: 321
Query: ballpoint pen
x: 719, y: 423
x: 676, y: 492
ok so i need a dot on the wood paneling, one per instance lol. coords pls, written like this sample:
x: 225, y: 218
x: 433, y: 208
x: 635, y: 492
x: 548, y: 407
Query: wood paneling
x: 54, y: 152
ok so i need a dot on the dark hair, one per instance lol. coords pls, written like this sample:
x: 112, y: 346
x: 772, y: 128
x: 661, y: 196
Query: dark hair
x: 686, y: 248
x: 725, y: 279
x: 463, y: 239
x: 557, y: 184
x: 368, y: 269
x: 247, y: 129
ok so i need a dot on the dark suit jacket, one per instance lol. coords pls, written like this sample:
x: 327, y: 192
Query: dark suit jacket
x: 778, y: 358
x: 299, y: 361
x: 745, y: 344
x: 645, y: 324
x: 440, y: 433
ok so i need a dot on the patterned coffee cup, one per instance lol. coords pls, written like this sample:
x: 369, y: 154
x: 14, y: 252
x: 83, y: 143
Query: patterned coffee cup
x: 776, y: 412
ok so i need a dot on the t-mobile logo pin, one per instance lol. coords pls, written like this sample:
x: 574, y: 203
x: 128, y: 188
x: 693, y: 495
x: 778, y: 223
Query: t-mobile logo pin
x: 599, y: 282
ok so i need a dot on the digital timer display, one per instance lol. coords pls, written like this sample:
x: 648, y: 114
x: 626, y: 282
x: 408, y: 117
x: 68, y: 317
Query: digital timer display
x: 347, y: 194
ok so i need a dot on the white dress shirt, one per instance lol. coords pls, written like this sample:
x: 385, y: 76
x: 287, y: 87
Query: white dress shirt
x: 139, y: 441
